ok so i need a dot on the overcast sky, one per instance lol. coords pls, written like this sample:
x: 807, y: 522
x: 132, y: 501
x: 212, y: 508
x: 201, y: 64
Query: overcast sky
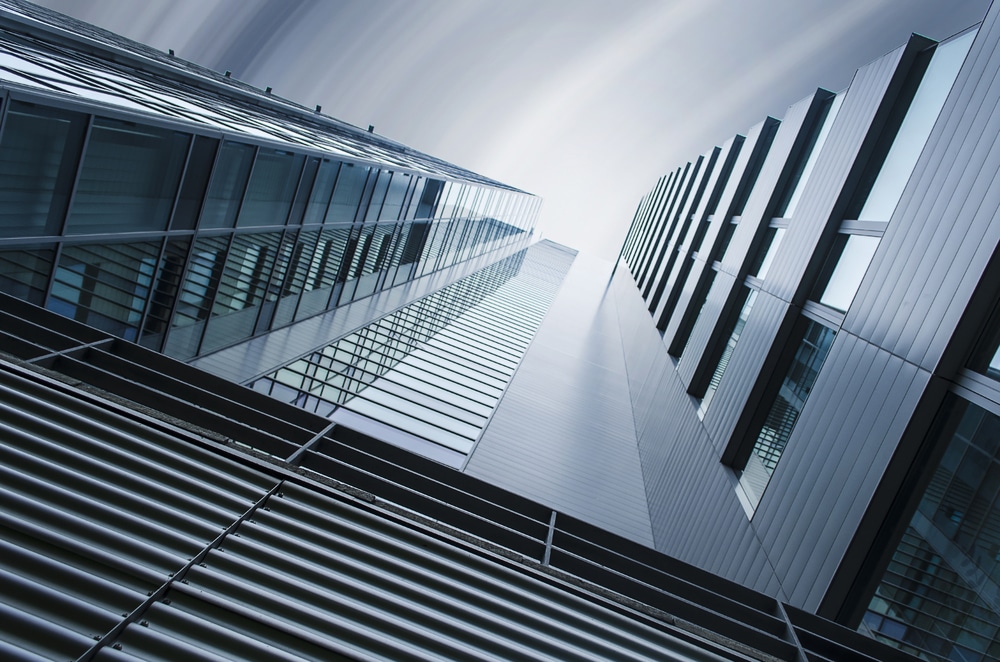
x: 582, y: 102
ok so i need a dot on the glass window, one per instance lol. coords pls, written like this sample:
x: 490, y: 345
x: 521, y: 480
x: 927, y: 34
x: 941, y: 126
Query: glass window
x: 347, y: 195
x: 199, y: 169
x: 851, y: 265
x: 322, y: 191
x: 733, y: 337
x: 915, y: 128
x: 788, y: 402
x: 950, y: 551
x: 772, y: 242
x: 129, y: 178
x: 25, y: 271
x: 832, y: 108
x: 228, y: 183
x: 105, y: 285
x: 39, y: 154
x: 271, y: 189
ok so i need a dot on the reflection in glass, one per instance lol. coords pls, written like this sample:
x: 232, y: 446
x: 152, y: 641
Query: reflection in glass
x: 38, y: 159
x: 727, y: 352
x: 831, y: 116
x: 916, y: 128
x: 128, y: 179
x: 849, y: 272
x: 271, y: 188
x: 788, y: 403
x: 940, y: 595
x: 775, y: 235
x: 437, y: 367
x: 229, y: 180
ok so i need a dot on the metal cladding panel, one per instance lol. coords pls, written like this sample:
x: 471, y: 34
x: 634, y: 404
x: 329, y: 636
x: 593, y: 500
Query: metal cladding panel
x: 668, y: 221
x: 744, y: 368
x: 704, y: 327
x: 721, y: 217
x: 688, y: 221
x: 658, y: 213
x: 823, y: 189
x: 758, y: 204
x: 683, y: 260
x: 946, y: 227
x: 692, y: 196
x: 563, y: 433
x: 685, y: 488
x: 834, y: 460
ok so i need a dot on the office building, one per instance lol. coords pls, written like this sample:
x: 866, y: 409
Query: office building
x: 812, y: 351
x: 275, y: 387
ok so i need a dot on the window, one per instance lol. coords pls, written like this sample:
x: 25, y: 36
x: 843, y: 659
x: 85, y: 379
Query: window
x: 949, y: 554
x: 735, y: 330
x: 129, y: 178
x: 787, y: 402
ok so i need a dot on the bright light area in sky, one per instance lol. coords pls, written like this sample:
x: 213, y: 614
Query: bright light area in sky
x: 584, y: 103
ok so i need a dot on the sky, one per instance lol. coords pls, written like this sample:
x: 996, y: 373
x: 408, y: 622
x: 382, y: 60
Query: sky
x: 585, y: 103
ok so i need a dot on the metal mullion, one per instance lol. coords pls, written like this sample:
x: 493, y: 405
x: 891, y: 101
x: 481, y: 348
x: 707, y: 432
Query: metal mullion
x: 445, y: 350
x: 246, y: 185
x: 158, y: 594
x: 516, y: 324
x: 493, y: 350
x: 476, y: 374
x: 69, y: 209
x: 516, y: 344
x: 494, y: 304
x: 180, y: 182
x: 416, y: 417
x: 491, y: 341
x: 421, y: 377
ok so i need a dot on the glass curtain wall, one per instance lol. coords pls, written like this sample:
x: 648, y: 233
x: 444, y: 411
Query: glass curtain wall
x: 188, y: 243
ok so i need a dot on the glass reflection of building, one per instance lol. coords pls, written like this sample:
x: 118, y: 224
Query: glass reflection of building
x: 187, y: 213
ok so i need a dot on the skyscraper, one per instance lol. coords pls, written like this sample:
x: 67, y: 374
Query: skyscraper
x: 818, y: 391
x: 275, y: 387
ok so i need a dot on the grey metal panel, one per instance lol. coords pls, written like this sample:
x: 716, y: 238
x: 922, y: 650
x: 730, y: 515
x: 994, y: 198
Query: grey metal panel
x: 757, y: 210
x: 715, y: 186
x: 704, y: 328
x: 98, y: 510
x: 833, y: 463
x: 744, y: 368
x: 722, y: 292
x: 310, y: 575
x: 678, y: 460
x: 656, y: 220
x: 667, y: 220
x: 682, y: 219
x: 563, y: 434
x: 687, y: 218
x: 721, y: 217
x: 945, y: 227
x: 822, y: 191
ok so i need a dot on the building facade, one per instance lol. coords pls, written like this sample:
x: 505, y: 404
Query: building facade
x: 815, y: 404
x: 275, y: 387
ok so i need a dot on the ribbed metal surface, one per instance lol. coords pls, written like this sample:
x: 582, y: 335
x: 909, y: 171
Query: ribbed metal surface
x: 98, y: 512
x: 563, y: 433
